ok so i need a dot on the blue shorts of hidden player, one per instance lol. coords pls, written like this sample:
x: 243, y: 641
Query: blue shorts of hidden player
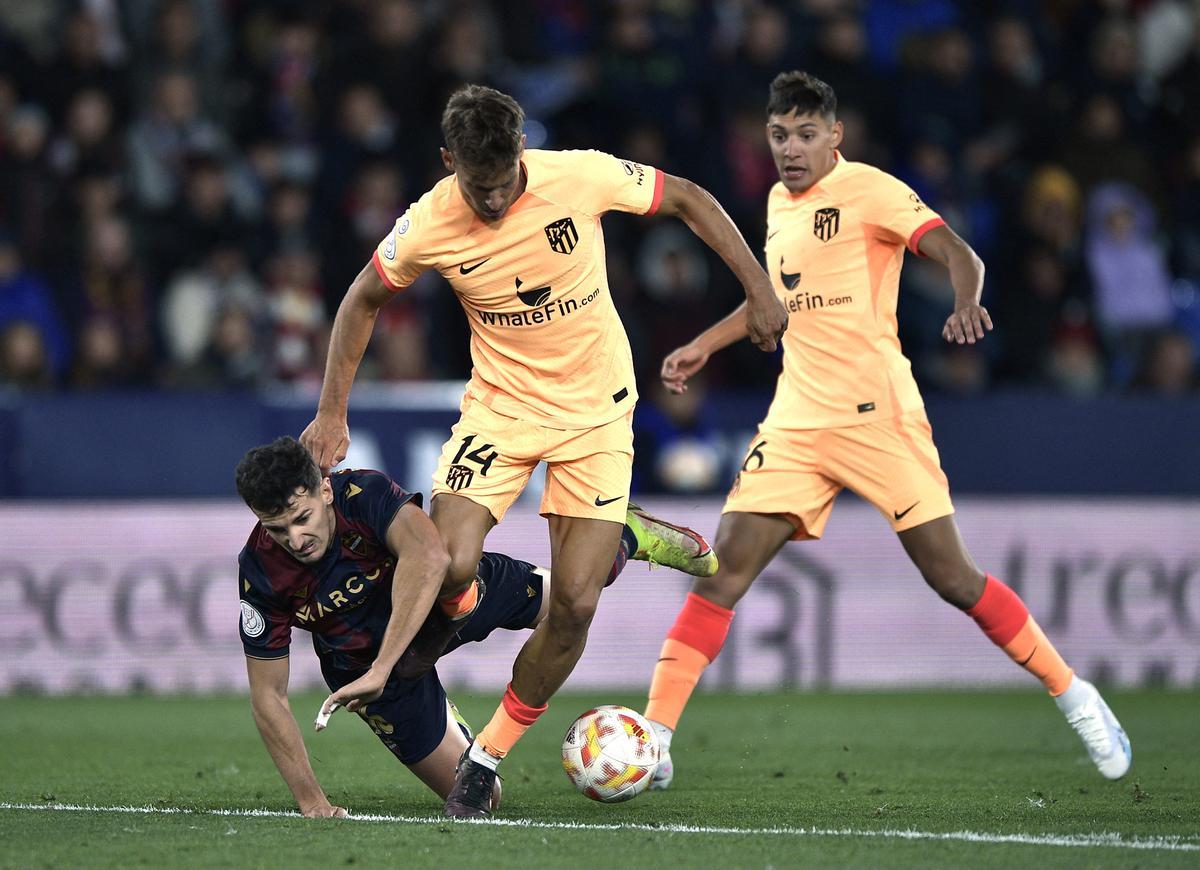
x: 410, y: 716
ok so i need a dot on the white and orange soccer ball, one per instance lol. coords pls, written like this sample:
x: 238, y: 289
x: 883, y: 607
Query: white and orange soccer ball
x: 610, y: 754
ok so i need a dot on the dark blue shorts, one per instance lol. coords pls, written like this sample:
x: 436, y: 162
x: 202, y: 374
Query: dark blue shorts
x: 410, y: 716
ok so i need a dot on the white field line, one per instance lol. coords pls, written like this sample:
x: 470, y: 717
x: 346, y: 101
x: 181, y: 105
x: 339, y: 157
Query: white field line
x: 1095, y: 841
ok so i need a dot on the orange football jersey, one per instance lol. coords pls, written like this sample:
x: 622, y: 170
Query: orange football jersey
x: 834, y: 254
x: 547, y: 344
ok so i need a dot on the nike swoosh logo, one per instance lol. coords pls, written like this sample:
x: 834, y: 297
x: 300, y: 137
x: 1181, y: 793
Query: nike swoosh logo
x: 463, y: 270
x: 789, y: 279
x: 901, y: 514
x: 602, y: 502
x: 772, y: 235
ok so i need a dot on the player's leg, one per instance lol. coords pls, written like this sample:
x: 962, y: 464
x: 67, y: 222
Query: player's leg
x: 463, y: 525
x: 437, y: 769
x: 747, y: 543
x: 585, y: 500
x: 483, y: 468
x: 417, y: 723
x: 581, y: 558
x: 779, y: 495
x: 894, y: 464
x: 937, y: 550
x: 581, y: 552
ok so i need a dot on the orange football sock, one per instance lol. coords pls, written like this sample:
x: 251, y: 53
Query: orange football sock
x: 1005, y: 619
x: 1033, y: 651
x: 461, y: 605
x: 511, y: 720
x: 692, y: 644
x: 675, y: 676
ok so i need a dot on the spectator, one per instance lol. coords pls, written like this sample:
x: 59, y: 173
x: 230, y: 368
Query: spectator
x: 399, y: 348
x: 114, y: 296
x: 83, y: 63
x: 232, y: 360
x: 298, y: 323
x: 1101, y: 148
x: 164, y: 136
x: 104, y: 361
x: 1168, y: 365
x: 25, y: 299
x: 1128, y: 271
x: 24, y: 363
x: 367, y: 213
x: 841, y: 60
x: 175, y: 42
x: 88, y: 142
x: 195, y: 299
x: 1016, y: 114
x: 287, y: 222
x: 27, y: 187
x: 204, y: 218
x: 1075, y: 366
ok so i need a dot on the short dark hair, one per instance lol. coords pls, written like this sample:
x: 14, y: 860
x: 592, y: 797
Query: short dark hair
x: 268, y: 476
x: 805, y: 93
x: 482, y: 128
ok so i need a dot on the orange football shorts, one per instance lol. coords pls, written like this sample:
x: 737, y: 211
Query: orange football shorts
x: 893, y: 464
x: 490, y: 457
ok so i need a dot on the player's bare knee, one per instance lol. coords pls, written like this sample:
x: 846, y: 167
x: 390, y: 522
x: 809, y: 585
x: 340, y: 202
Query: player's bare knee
x: 955, y: 583
x: 569, y: 619
x: 464, y: 565
x: 725, y: 588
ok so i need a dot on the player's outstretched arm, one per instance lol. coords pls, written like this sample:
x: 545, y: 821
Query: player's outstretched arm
x: 327, y: 437
x: 421, y: 564
x: 765, y: 317
x: 273, y: 716
x: 683, y: 362
x: 970, y: 321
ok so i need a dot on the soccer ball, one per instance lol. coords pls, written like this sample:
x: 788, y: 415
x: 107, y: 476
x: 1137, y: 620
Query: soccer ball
x: 610, y: 754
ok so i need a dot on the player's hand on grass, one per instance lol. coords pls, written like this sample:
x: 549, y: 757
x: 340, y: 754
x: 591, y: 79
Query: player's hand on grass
x: 325, y: 811
x: 327, y: 438
x: 680, y: 364
x: 967, y: 324
x: 766, y: 320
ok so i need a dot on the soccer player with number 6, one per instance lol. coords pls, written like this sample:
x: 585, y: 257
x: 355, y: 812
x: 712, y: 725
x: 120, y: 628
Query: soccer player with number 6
x: 847, y: 413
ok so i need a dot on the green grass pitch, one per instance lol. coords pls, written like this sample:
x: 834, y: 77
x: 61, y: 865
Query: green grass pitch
x: 853, y: 779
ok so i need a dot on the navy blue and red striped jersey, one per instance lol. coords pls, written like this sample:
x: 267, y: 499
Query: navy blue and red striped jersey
x: 345, y: 599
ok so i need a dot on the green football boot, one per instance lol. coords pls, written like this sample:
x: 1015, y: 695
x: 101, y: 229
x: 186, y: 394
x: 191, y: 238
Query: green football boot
x: 662, y: 543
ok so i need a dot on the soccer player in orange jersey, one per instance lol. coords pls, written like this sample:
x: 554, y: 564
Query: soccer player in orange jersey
x: 847, y: 413
x: 517, y: 234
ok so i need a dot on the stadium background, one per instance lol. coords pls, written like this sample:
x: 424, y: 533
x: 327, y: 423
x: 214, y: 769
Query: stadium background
x: 187, y: 187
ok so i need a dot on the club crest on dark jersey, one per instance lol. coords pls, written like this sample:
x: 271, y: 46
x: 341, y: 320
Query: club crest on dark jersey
x: 353, y: 541
x: 535, y: 297
x: 826, y: 222
x: 562, y: 235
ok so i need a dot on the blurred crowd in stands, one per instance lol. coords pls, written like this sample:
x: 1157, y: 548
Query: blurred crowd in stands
x: 187, y: 187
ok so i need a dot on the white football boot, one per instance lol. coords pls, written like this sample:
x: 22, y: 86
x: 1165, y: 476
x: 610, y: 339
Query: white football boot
x: 665, y: 771
x: 1097, y: 727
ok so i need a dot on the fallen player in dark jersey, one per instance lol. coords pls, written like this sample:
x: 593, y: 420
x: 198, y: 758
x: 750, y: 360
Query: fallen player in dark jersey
x: 354, y: 560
